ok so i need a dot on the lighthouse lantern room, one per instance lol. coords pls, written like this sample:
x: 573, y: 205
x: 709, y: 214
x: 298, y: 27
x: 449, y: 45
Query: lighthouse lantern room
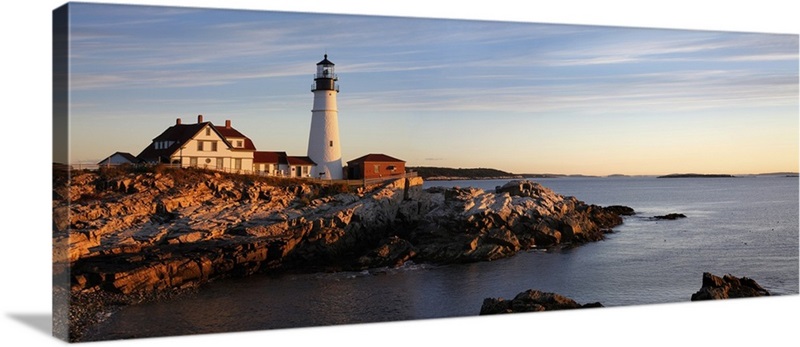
x: 323, y: 141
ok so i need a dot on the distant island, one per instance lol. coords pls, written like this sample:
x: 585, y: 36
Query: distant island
x: 448, y: 173
x: 693, y: 175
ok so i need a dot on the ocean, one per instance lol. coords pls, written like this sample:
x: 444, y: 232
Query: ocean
x: 744, y: 226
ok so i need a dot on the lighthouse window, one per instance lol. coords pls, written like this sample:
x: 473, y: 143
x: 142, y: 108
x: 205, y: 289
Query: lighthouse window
x: 331, y: 144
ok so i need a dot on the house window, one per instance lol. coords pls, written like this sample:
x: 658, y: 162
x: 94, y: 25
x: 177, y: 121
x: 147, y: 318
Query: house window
x: 237, y: 163
x: 376, y: 168
x: 331, y: 143
x: 220, y: 163
x: 213, y: 146
x: 157, y: 144
x: 208, y: 131
x: 239, y: 143
x: 200, y: 146
x: 192, y: 161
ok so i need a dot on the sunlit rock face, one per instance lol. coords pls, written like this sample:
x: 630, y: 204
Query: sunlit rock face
x: 144, y: 232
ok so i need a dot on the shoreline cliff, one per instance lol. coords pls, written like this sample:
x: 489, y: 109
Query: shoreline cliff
x: 127, y: 236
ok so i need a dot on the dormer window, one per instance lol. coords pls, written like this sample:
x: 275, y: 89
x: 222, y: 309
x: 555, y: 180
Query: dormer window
x: 239, y: 143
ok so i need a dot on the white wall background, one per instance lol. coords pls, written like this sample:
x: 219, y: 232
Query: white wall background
x: 26, y: 256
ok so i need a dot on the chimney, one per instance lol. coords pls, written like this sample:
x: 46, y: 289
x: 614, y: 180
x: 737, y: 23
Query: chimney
x: 227, y: 123
x: 178, y: 121
x: 199, y: 118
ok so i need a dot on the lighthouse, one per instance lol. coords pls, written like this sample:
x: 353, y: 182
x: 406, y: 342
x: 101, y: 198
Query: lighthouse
x: 323, y: 141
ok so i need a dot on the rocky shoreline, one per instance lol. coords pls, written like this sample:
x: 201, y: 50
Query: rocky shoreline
x: 127, y: 237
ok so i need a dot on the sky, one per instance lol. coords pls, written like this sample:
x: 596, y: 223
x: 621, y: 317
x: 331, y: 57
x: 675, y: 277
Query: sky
x: 519, y: 97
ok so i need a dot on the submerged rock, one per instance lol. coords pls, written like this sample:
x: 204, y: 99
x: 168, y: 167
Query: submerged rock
x: 727, y: 287
x: 671, y: 216
x: 532, y: 301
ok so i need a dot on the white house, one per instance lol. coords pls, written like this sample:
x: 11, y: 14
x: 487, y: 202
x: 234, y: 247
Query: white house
x: 201, y: 144
x: 208, y: 146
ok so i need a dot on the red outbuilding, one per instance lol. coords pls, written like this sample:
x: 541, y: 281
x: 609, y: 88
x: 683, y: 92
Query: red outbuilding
x: 375, y: 166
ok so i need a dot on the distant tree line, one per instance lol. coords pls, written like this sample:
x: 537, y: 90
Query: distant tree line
x: 427, y: 172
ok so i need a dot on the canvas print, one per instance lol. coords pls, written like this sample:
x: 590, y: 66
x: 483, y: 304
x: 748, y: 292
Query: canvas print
x: 229, y: 170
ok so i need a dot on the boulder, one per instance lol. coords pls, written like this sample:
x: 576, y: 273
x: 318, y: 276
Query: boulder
x: 728, y: 286
x: 392, y: 252
x: 532, y: 301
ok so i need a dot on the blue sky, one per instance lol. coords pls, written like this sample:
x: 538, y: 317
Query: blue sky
x: 520, y: 97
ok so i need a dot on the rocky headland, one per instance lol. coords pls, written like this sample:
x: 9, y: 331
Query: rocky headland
x: 123, y: 236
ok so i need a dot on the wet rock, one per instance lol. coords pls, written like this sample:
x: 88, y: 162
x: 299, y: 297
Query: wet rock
x: 531, y: 301
x: 620, y: 210
x: 391, y: 252
x: 671, y: 216
x: 727, y: 287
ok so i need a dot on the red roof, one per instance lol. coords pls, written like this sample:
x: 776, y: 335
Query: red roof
x: 376, y: 157
x: 300, y: 161
x: 233, y: 133
x: 269, y: 157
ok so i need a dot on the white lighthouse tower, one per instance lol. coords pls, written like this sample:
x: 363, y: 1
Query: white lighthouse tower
x: 323, y: 142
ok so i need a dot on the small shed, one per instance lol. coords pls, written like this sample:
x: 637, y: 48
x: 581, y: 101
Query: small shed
x: 375, y: 166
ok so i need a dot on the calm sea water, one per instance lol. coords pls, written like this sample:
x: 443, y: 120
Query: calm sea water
x: 746, y: 226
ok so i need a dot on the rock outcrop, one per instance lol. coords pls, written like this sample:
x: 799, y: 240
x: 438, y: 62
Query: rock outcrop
x: 531, y: 301
x: 671, y: 216
x: 728, y: 287
x: 151, y: 231
x: 469, y: 224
